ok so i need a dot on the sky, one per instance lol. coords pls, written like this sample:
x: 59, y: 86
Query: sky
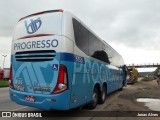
x: 131, y: 27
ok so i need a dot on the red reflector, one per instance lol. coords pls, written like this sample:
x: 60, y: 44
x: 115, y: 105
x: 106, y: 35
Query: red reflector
x: 62, y: 82
x: 36, y: 35
x: 61, y: 10
x: 10, y: 74
x: 10, y: 79
x: 62, y: 74
x: 43, y: 12
x: 38, y: 13
x: 20, y: 19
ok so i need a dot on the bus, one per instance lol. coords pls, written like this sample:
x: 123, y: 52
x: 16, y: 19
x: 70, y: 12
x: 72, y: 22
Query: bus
x: 58, y: 63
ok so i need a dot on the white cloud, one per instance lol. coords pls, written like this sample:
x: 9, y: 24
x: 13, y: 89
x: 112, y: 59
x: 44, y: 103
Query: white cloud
x: 131, y: 26
x: 5, y: 45
x: 138, y: 55
x: 5, y: 49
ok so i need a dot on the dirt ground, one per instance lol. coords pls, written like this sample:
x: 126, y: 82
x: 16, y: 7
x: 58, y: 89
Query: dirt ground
x: 126, y: 100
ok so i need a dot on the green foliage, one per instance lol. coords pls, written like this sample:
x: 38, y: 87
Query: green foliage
x: 4, y: 83
x: 156, y: 72
x: 146, y: 79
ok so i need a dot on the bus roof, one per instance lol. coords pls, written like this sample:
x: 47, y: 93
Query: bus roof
x: 43, y: 12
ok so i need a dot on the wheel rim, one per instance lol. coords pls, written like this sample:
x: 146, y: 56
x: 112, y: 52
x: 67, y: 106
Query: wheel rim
x: 95, y: 98
x: 103, y: 94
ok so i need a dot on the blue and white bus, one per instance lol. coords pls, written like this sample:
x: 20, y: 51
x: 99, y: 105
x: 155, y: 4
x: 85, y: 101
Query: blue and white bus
x: 58, y: 63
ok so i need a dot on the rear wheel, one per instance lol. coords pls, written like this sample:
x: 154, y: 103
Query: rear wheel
x: 102, y: 96
x: 121, y: 89
x: 94, y: 101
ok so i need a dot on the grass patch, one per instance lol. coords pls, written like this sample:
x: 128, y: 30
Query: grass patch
x: 4, y: 83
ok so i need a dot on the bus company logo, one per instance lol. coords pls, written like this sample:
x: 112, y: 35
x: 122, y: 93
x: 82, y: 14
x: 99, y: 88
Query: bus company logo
x: 33, y: 26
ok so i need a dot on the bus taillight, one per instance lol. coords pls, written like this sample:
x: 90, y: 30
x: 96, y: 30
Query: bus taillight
x: 10, y: 79
x: 62, y: 82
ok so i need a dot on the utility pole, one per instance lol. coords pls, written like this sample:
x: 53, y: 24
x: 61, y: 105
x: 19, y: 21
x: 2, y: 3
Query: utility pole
x: 4, y: 60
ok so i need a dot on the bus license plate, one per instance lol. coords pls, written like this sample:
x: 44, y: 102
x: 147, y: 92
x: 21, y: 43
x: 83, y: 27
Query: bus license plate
x: 30, y: 98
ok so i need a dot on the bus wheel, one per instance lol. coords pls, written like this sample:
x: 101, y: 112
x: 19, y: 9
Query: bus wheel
x: 121, y: 89
x: 102, y: 96
x: 94, y: 101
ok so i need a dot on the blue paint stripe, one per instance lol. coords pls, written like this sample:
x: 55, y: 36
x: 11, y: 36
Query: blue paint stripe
x: 67, y: 57
x: 72, y: 58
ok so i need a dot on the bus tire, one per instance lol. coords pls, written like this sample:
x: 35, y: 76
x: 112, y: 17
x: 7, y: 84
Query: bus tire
x: 121, y: 89
x: 94, y: 101
x: 103, y: 94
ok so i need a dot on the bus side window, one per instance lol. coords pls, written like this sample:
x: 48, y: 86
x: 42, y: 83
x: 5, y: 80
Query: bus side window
x: 81, y: 36
x: 101, y: 55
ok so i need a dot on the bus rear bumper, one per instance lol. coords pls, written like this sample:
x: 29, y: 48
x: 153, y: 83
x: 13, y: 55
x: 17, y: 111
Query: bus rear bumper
x: 42, y: 101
